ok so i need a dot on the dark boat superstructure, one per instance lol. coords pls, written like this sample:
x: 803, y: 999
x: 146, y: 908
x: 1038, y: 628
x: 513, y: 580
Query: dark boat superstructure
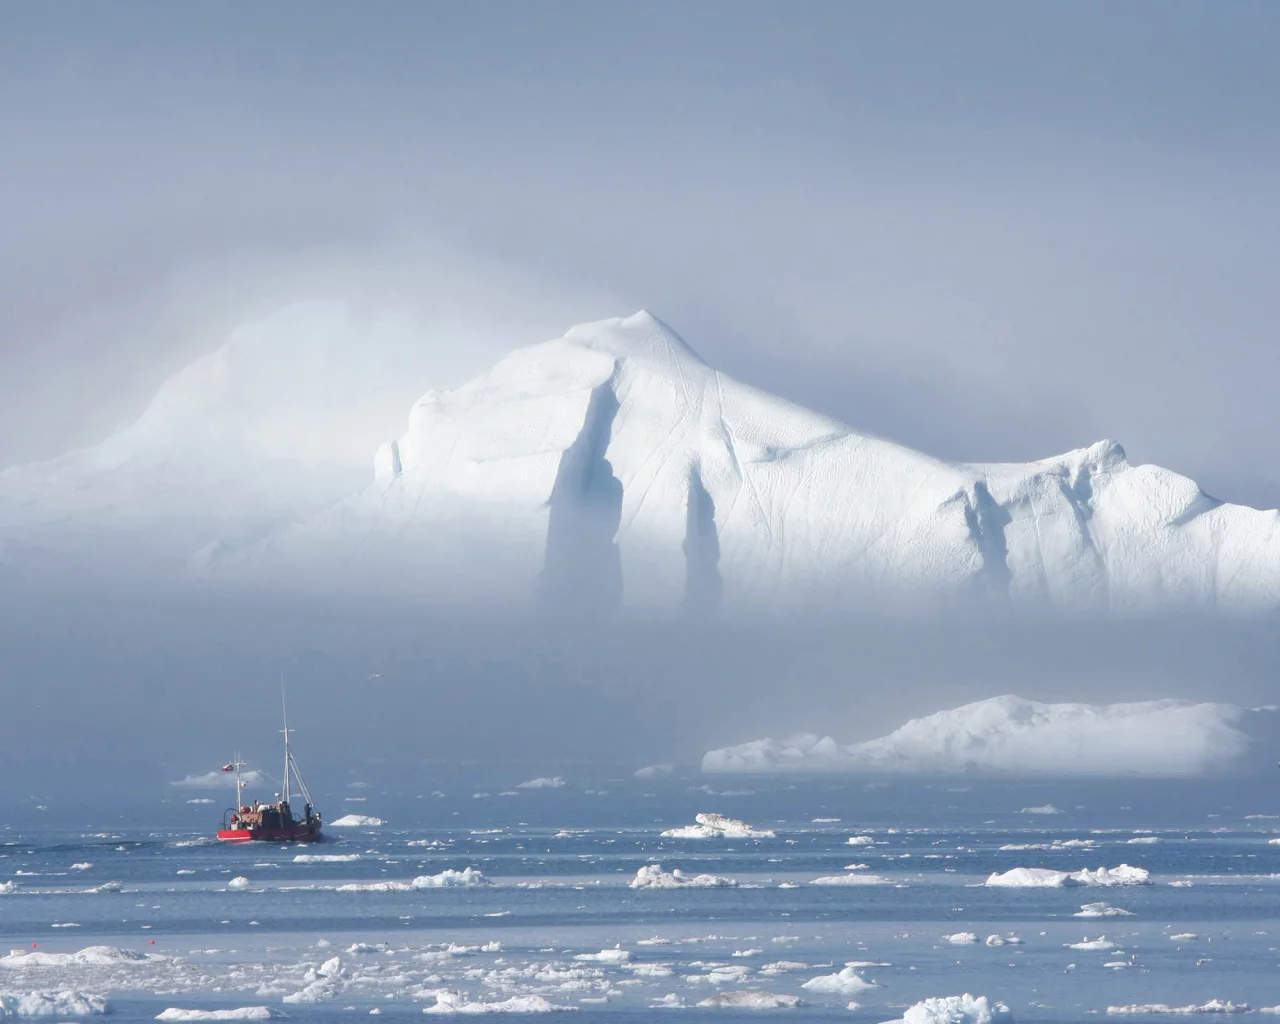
x: 271, y: 823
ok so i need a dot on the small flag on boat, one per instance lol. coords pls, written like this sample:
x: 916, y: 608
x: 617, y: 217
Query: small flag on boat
x: 228, y: 767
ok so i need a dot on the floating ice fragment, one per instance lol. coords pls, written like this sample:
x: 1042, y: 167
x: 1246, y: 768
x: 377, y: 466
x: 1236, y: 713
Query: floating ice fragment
x: 846, y: 982
x: 456, y: 1002
x: 1101, y: 910
x: 554, y: 782
x: 1100, y: 943
x: 751, y: 999
x: 965, y: 1009
x: 240, y: 1013
x: 859, y: 841
x: 83, y: 865
x: 717, y: 826
x: 325, y: 858
x: 963, y: 938
x: 617, y: 955
x: 852, y: 879
x: 356, y: 821
x: 239, y: 882
x: 651, y: 876
x: 8, y: 888
x: 1212, y: 1006
x: 51, y: 1004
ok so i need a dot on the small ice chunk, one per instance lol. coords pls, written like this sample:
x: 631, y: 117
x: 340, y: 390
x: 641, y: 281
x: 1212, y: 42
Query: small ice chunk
x: 325, y: 858
x: 240, y: 1013
x: 1101, y: 910
x: 964, y: 938
x: 617, y: 955
x: 457, y: 1002
x: 449, y: 878
x: 1100, y: 943
x: 239, y: 882
x: 859, y: 841
x: 1046, y: 809
x: 83, y: 865
x: 356, y: 821
x: 545, y: 782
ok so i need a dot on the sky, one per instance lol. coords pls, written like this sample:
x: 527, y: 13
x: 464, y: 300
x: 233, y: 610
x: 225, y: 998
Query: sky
x: 993, y: 231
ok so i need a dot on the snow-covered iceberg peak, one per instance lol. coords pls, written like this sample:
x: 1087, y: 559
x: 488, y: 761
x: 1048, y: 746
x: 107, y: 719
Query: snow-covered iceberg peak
x: 1012, y: 736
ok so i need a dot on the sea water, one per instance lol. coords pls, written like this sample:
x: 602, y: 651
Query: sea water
x: 159, y: 917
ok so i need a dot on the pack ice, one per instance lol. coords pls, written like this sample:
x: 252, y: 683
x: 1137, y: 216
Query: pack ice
x: 1010, y: 735
x: 613, y: 465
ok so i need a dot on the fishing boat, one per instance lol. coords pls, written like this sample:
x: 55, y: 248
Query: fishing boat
x: 271, y: 823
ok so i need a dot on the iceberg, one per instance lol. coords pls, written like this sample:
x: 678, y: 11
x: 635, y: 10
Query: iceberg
x: 239, y: 1013
x: 1032, y: 878
x: 1011, y: 736
x: 1212, y: 1006
x: 965, y: 1009
x: 750, y: 999
x: 852, y: 878
x: 455, y: 1002
x: 846, y: 982
x: 51, y: 1004
x: 717, y: 826
x: 651, y: 876
x: 613, y: 465
x: 356, y: 821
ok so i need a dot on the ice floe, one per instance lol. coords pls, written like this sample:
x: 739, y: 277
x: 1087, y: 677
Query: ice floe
x: 457, y: 1002
x: 545, y: 782
x: 617, y: 955
x: 717, y: 826
x: 965, y: 1009
x: 1212, y: 1006
x: 845, y: 982
x: 1029, y: 878
x: 8, y: 888
x: 95, y: 955
x: 961, y: 938
x: 1100, y: 944
x: 651, y: 876
x: 853, y: 878
x: 655, y: 771
x: 239, y: 1013
x: 325, y: 858
x: 51, y: 1004
x: 1101, y: 910
x: 239, y: 882
x: 750, y: 999
x: 356, y: 821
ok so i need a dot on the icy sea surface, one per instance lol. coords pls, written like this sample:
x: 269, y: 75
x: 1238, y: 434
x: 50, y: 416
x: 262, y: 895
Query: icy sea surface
x: 864, y: 901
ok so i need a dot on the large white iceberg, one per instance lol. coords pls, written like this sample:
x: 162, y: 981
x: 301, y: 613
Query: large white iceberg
x: 1012, y: 736
x: 611, y: 465
x: 356, y: 821
x: 965, y: 1009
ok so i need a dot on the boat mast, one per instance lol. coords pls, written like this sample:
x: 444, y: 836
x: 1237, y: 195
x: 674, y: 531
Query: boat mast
x: 239, y: 782
x: 288, y: 757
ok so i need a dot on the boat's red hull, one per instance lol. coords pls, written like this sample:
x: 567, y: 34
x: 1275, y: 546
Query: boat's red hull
x: 295, y: 834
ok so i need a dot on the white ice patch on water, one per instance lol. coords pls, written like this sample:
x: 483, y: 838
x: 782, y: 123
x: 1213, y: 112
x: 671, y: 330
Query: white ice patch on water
x: 457, y: 1002
x: 617, y: 955
x: 94, y: 955
x: 846, y: 982
x: 449, y: 878
x: 51, y: 1004
x: 651, y: 876
x: 859, y: 841
x: 717, y: 826
x: 1212, y: 1006
x: 962, y: 938
x: 965, y: 1009
x: 239, y: 882
x: 1101, y: 943
x: 1041, y: 878
x: 8, y: 888
x: 852, y: 879
x: 750, y: 999
x: 356, y: 821
x: 239, y: 1013
x: 325, y: 858
x: 1101, y: 910
x: 554, y: 782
